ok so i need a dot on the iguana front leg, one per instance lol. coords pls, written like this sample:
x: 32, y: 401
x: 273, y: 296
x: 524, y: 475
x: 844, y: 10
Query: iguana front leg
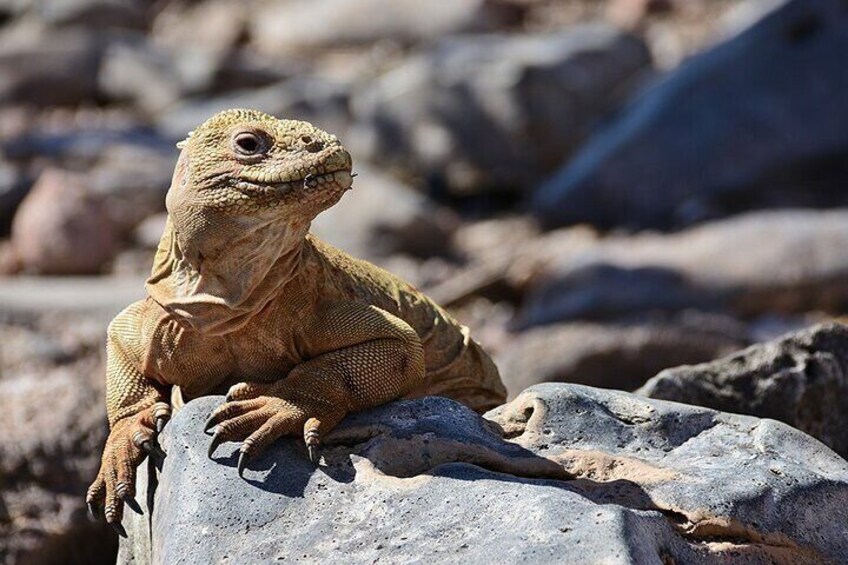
x: 359, y: 356
x: 137, y: 408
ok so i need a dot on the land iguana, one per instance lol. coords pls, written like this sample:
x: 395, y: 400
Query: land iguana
x: 243, y: 300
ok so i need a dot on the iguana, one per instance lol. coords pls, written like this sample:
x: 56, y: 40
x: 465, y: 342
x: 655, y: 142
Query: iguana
x: 244, y: 300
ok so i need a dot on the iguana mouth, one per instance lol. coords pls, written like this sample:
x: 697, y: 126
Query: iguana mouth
x: 340, y: 179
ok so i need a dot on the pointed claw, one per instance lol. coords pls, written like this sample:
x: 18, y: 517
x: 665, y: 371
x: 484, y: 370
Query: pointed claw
x: 314, y: 456
x: 119, y: 529
x: 216, y: 441
x: 93, y: 511
x: 160, y: 424
x: 242, y: 463
x: 210, y: 422
x: 153, y: 449
x: 132, y: 503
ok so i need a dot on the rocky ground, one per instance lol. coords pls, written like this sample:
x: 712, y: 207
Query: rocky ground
x: 609, y: 192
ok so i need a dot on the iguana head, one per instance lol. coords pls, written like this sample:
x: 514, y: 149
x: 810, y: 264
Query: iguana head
x: 245, y: 189
x: 247, y: 160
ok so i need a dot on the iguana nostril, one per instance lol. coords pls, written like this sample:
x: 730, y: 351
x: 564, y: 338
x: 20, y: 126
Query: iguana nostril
x: 312, y: 145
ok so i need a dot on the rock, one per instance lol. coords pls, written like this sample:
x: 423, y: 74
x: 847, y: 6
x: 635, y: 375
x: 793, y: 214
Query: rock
x: 382, y: 216
x: 587, y: 476
x: 800, y: 379
x: 291, y: 26
x: 212, y: 25
x: 764, y: 262
x: 148, y: 233
x: 55, y: 69
x: 61, y: 229
x: 495, y: 112
x: 95, y: 14
x: 14, y: 186
x: 620, y: 356
x: 312, y: 99
x: 131, y: 182
x: 53, y: 418
x: 754, y: 122
x: 138, y: 72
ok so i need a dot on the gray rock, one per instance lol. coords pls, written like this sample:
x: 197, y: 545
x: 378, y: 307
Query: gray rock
x: 617, y: 355
x: 495, y: 112
x: 754, y: 122
x: 800, y: 379
x: 382, y: 216
x: 587, y: 476
x: 291, y: 26
x: 763, y: 262
x: 313, y: 99
x: 55, y: 69
x: 95, y: 14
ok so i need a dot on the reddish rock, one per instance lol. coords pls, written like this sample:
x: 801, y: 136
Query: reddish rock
x: 61, y: 229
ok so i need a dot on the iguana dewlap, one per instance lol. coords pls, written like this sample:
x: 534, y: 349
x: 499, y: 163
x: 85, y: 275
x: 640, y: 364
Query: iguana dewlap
x: 243, y: 300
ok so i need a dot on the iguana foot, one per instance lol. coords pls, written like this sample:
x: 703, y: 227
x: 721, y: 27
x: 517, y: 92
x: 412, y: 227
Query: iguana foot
x: 258, y: 414
x: 130, y: 440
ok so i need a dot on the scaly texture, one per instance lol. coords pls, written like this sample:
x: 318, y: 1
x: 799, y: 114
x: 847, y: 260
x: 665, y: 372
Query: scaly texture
x: 243, y: 299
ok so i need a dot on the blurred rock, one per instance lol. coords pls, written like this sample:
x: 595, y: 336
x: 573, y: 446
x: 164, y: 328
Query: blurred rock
x: 495, y: 112
x: 755, y: 122
x: 95, y: 14
x: 382, y: 216
x: 212, y: 25
x: 778, y: 262
x: 308, y: 24
x: 14, y: 186
x: 306, y: 98
x: 52, y: 69
x: 800, y: 379
x: 54, y: 425
x: 586, y: 476
x: 620, y: 356
x: 148, y: 233
x: 60, y: 228
x: 137, y: 72
x: 131, y: 182
x: 82, y: 143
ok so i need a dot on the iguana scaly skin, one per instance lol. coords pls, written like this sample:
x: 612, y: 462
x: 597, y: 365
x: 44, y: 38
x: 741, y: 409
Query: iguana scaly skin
x: 243, y: 300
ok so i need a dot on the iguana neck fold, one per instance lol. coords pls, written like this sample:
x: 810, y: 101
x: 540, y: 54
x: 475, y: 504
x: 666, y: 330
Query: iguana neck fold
x: 220, y: 295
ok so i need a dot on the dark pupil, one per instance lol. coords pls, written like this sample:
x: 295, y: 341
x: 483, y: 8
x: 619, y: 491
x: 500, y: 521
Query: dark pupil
x: 248, y: 143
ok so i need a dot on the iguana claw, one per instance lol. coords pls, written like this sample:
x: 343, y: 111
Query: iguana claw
x: 119, y: 529
x: 242, y: 463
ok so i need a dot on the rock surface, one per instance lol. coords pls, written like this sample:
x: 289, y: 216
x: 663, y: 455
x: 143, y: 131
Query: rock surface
x: 54, y: 426
x: 616, y: 355
x: 768, y: 108
x: 587, y: 476
x: 777, y: 262
x: 495, y: 112
x: 800, y: 379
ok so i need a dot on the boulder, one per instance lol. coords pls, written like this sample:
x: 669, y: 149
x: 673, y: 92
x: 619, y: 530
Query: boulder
x: 495, y: 112
x: 616, y: 355
x: 583, y: 476
x: 800, y: 379
x: 291, y: 26
x: 754, y: 122
x: 763, y: 262
x: 62, y: 229
x: 50, y: 69
x: 382, y: 216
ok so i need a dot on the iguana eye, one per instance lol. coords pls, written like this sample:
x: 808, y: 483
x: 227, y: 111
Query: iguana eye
x: 248, y: 143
